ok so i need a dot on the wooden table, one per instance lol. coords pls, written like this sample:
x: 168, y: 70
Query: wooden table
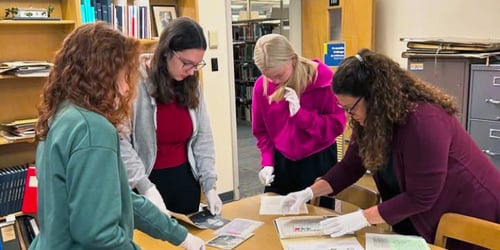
x: 265, y: 237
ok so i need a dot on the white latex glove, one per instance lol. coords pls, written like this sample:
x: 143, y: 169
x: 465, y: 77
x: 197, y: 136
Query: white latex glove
x: 214, y: 202
x: 344, y: 224
x: 266, y: 176
x: 193, y: 243
x: 154, y: 196
x: 293, y: 100
x: 292, y: 202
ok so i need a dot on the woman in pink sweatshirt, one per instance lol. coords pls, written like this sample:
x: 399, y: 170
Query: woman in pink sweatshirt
x: 295, y: 116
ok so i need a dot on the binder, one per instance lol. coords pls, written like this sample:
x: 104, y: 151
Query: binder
x: 30, y: 198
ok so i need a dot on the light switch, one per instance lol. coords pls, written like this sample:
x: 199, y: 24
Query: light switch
x: 213, y: 39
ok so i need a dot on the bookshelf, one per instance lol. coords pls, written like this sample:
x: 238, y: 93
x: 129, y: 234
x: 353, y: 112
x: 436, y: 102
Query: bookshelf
x: 39, y: 40
x: 28, y: 40
x: 245, y: 35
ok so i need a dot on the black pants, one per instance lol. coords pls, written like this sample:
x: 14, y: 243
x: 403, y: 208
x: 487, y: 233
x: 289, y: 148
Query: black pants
x: 291, y: 176
x: 178, y: 187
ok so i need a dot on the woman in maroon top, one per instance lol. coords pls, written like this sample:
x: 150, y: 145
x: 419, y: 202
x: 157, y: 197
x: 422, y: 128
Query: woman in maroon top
x: 424, y: 162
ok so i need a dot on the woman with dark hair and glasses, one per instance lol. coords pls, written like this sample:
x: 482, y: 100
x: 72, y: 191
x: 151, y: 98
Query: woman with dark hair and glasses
x: 406, y: 133
x: 169, y: 150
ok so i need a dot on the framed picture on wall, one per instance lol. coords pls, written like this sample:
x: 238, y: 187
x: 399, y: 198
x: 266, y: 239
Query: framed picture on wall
x: 162, y: 15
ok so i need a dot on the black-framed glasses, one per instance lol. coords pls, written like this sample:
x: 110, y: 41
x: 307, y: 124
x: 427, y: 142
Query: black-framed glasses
x: 188, y: 65
x: 349, y: 110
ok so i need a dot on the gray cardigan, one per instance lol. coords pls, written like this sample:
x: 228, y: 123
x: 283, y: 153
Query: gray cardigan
x: 138, y: 141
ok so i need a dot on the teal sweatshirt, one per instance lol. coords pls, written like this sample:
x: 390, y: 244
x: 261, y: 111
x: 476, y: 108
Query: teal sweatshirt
x: 84, y: 201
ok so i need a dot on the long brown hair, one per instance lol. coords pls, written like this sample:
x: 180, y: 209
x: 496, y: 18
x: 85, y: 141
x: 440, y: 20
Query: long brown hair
x: 181, y: 34
x: 85, y: 73
x: 390, y: 93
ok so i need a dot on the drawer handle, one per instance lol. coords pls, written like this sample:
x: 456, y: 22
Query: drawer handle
x: 492, y: 133
x: 492, y: 101
x: 495, y: 81
x: 490, y: 153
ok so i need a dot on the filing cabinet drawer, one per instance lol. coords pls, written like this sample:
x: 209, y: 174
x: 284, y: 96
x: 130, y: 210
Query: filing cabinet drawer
x: 485, y: 93
x: 487, y: 136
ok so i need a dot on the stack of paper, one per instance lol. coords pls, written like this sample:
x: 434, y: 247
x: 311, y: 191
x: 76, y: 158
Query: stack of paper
x: 26, y: 68
x: 18, y: 130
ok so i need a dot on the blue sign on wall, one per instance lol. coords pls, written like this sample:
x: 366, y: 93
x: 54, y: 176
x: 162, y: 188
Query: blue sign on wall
x: 334, y: 53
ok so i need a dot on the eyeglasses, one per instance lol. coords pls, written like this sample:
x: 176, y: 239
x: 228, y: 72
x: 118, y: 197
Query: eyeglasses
x: 187, y: 65
x: 349, y: 110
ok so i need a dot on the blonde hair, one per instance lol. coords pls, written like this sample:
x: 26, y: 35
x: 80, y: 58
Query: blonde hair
x: 274, y: 50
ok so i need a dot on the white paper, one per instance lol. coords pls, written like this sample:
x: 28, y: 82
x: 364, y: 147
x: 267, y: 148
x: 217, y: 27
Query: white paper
x: 394, y: 242
x: 241, y: 227
x: 271, y: 205
x: 326, y: 244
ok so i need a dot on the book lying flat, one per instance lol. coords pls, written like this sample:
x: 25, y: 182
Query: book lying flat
x: 202, y: 219
x: 299, y: 226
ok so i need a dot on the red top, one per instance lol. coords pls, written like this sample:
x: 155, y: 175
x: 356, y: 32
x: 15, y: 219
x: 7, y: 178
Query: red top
x: 173, y: 130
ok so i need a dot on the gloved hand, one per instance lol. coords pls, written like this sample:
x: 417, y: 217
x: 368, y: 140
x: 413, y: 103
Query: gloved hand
x: 214, y: 202
x: 266, y: 176
x: 344, y: 224
x: 155, y: 197
x: 292, y: 202
x: 293, y: 100
x: 193, y: 243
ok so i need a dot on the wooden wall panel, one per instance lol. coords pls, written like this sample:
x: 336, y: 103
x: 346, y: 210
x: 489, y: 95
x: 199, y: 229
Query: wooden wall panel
x: 357, y: 26
x: 314, y: 27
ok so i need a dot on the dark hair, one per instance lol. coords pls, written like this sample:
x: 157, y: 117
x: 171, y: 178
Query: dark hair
x: 85, y: 73
x: 180, y: 34
x: 390, y: 93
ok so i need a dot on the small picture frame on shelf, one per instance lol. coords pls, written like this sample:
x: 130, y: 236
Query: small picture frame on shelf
x: 29, y: 13
x: 162, y: 15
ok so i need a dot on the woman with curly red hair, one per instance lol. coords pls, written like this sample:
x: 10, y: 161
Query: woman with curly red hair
x: 84, y: 201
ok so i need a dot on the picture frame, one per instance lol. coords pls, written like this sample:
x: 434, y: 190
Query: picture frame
x: 162, y: 15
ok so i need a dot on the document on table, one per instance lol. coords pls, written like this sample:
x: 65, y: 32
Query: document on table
x: 394, y: 242
x: 240, y: 227
x: 323, y: 243
x: 271, y: 205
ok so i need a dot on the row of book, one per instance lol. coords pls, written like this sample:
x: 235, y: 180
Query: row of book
x: 12, y: 186
x: 246, y: 72
x: 252, y: 31
x: 131, y: 20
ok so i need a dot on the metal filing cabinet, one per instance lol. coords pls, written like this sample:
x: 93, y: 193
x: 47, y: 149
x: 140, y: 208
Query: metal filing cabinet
x: 484, y: 109
x: 449, y: 74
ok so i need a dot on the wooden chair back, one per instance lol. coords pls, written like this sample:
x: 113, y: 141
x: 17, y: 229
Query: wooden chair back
x: 356, y: 195
x: 469, y: 229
